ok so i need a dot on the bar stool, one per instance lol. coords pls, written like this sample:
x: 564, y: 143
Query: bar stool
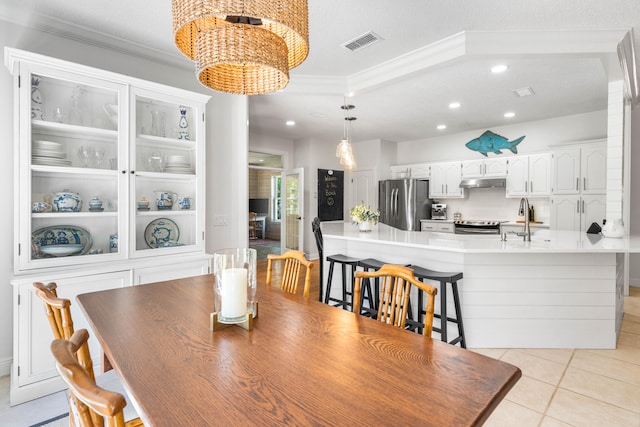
x: 343, y: 260
x: 373, y: 298
x: 444, y: 278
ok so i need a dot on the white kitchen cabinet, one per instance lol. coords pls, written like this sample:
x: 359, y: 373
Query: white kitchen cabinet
x: 529, y: 176
x: 437, y: 226
x: 494, y: 167
x: 580, y: 169
x: 577, y: 213
x: 445, y: 180
x: 93, y: 135
x: 422, y: 170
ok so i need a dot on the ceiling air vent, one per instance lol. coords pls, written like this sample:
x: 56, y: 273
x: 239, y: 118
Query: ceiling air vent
x: 366, y: 39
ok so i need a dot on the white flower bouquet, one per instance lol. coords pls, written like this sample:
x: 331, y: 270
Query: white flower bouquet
x: 362, y: 213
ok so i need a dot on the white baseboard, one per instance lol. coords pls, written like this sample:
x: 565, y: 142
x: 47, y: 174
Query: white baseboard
x: 5, y: 366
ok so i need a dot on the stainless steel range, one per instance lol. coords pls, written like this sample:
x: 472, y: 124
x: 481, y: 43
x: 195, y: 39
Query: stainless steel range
x: 477, y: 227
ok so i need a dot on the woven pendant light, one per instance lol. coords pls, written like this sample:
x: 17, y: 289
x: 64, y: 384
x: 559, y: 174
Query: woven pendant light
x: 241, y: 59
x: 288, y: 20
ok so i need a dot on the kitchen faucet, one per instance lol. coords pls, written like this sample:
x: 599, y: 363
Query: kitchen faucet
x: 524, y: 210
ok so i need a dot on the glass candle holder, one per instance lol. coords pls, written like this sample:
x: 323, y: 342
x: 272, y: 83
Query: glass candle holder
x: 234, y: 286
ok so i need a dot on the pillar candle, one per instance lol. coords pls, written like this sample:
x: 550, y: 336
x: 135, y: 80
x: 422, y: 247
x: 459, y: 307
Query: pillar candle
x: 234, y: 292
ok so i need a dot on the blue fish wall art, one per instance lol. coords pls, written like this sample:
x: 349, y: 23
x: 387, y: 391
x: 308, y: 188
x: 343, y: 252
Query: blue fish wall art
x: 490, y: 142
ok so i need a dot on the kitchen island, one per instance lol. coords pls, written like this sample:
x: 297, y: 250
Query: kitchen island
x: 561, y: 290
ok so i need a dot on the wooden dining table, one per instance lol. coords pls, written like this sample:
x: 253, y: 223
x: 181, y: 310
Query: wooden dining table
x: 304, y: 363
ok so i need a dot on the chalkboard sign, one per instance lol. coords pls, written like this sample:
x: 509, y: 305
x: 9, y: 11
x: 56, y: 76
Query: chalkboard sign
x: 330, y: 195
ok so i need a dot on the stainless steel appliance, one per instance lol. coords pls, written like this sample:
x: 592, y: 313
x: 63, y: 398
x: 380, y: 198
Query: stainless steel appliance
x: 438, y: 211
x: 404, y: 202
x: 477, y: 227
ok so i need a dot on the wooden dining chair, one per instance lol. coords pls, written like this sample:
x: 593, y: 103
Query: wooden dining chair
x: 59, y: 315
x: 253, y: 225
x: 89, y: 404
x: 395, y: 286
x: 290, y: 274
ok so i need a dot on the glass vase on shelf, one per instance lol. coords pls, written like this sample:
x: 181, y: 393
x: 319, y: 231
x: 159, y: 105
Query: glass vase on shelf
x: 183, y: 124
x: 36, y: 99
x: 75, y: 112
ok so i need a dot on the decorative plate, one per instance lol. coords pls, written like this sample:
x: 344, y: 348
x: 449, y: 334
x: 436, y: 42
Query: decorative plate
x: 162, y: 232
x: 56, y: 238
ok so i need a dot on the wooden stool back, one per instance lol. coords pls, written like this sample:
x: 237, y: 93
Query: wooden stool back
x: 291, y: 272
x: 395, y: 286
x: 89, y: 404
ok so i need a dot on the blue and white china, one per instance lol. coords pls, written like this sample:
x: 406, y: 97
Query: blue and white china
x: 60, y: 240
x: 165, y: 200
x: 161, y: 233
x: 184, y: 203
x: 36, y: 99
x: 61, y: 250
x: 39, y: 207
x: 67, y: 201
x: 142, y: 204
x: 95, y: 204
x: 113, y: 243
x: 183, y: 125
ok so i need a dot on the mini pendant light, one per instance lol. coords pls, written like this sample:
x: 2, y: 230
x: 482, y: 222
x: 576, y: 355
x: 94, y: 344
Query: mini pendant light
x: 344, y: 150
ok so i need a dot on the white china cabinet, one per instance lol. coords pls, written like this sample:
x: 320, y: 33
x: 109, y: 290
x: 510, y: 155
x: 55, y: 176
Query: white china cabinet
x: 109, y: 181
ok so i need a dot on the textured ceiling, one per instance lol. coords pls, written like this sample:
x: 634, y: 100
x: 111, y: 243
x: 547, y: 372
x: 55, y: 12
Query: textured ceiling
x: 403, y: 107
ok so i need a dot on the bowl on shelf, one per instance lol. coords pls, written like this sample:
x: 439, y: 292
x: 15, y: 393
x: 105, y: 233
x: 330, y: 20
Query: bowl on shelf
x: 61, y: 250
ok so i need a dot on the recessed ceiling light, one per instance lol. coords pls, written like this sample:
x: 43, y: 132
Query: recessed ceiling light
x: 442, y: 127
x: 290, y: 123
x: 509, y: 114
x: 454, y: 105
x: 501, y: 68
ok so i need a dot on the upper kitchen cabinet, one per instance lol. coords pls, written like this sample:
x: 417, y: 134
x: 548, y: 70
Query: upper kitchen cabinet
x: 580, y: 169
x: 529, y: 176
x: 420, y: 170
x: 494, y: 167
x: 445, y: 180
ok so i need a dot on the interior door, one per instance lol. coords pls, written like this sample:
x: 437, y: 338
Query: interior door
x: 362, y: 188
x: 292, y: 230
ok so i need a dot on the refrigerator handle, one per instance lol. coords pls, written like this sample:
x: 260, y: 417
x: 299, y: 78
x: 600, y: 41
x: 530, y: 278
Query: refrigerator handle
x: 395, y: 202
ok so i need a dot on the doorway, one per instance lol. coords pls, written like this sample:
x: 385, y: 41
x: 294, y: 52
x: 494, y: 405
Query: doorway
x: 265, y: 172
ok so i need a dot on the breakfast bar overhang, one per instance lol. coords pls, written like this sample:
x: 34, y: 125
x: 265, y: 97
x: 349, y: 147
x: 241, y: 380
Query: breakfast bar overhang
x: 561, y: 290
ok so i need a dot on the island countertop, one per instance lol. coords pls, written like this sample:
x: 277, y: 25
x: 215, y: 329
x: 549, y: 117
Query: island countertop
x: 542, y: 240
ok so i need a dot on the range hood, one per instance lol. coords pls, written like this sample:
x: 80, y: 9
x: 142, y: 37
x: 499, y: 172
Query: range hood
x: 483, y: 182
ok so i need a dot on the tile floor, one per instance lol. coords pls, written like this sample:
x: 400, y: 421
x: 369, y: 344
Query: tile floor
x: 580, y: 388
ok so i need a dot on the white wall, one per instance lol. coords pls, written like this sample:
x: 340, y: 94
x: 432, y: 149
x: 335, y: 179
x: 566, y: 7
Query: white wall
x: 539, y: 136
x: 267, y: 144
x: 225, y: 145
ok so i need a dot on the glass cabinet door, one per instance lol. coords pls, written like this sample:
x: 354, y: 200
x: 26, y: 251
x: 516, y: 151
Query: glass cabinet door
x: 166, y: 161
x: 70, y: 191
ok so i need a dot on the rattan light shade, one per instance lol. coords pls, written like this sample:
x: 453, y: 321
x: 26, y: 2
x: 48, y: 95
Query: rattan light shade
x: 241, y: 59
x: 289, y: 19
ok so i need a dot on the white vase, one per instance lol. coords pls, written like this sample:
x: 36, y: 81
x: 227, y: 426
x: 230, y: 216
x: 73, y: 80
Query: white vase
x: 365, y: 226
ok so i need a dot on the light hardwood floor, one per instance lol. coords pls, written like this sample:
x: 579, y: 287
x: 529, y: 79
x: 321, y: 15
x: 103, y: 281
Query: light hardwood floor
x: 566, y: 387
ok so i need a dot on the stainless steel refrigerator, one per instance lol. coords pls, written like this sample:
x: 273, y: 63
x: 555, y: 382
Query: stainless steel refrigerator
x: 404, y: 202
